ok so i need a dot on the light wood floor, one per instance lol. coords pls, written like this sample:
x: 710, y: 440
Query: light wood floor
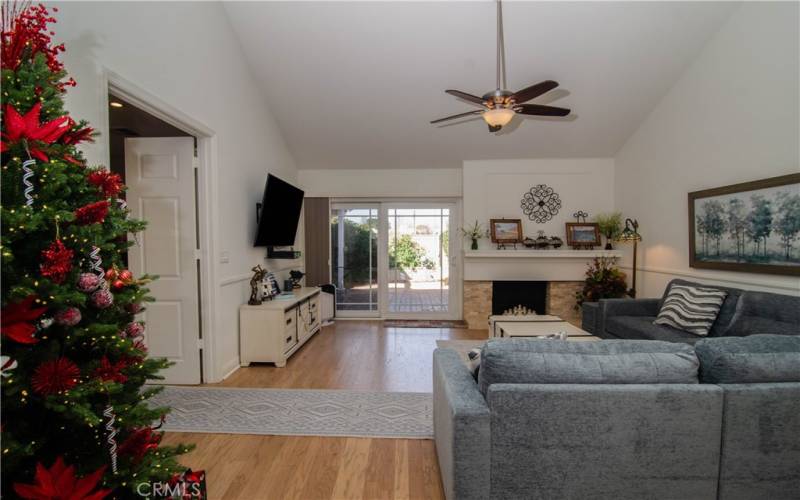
x: 358, y: 355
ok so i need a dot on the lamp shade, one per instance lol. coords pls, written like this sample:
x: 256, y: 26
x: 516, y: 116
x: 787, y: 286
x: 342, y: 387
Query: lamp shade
x: 498, y: 117
x: 631, y: 231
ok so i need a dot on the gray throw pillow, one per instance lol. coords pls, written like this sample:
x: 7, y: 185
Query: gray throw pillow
x: 692, y: 309
x: 747, y: 360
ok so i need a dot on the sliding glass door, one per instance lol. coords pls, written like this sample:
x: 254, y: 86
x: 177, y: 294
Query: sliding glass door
x: 354, y: 258
x: 395, y: 260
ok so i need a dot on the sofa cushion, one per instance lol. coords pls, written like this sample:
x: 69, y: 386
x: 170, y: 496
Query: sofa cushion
x: 691, y: 308
x: 643, y: 328
x: 726, y: 313
x: 757, y: 325
x: 757, y: 358
x: 539, y: 361
x: 767, y: 313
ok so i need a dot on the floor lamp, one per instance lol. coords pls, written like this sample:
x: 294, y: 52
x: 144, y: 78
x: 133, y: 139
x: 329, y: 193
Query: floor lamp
x: 631, y: 234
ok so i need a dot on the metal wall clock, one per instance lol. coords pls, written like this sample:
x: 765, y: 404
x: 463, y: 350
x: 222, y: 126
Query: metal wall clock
x: 540, y: 203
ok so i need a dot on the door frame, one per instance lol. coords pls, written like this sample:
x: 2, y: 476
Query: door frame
x: 454, y: 310
x: 207, y: 196
x: 456, y: 260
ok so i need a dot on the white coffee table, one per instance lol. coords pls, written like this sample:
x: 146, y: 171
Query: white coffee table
x: 541, y: 328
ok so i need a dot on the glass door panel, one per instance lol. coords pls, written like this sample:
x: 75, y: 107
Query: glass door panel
x: 354, y: 262
x: 419, y: 261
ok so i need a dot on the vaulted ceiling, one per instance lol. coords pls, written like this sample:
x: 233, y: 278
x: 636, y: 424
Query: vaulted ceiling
x: 355, y: 84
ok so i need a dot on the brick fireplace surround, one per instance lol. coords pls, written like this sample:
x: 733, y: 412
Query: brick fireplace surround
x: 560, y: 302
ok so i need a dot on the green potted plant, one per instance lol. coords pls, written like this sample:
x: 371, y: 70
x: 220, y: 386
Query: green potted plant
x: 610, y: 226
x: 604, y: 280
x: 476, y: 232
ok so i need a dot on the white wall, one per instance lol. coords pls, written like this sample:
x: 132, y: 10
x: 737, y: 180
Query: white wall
x: 493, y: 189
x: 186, y: 54
x: 732, y: 117
x: 381, y: 183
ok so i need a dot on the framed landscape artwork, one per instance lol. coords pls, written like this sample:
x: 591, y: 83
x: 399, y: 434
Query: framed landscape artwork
x: 583, y: 234
x: 751, y: 227
x: 505, y: 230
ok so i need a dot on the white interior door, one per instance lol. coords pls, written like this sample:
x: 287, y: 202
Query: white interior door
x: 160, y: 176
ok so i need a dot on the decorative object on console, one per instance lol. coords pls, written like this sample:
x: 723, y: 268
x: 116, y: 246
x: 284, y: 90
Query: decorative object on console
x: 610, y: 226
x: 749, y: 227
x: 604, y: 280
x: 631, y: 234
x: 504, y: 231
x: 556, y: 242
x: 540, y: 203
x: 256, y: 285
x: 541, y: 240
x: 475, y: 233
x: 580, y: 216
x: 269, y: 286
x: 295, y: 277
x: 583, y: 235
x: 519, y: 310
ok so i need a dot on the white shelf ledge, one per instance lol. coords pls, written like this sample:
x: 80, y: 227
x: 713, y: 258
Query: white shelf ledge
x: 540, y: 254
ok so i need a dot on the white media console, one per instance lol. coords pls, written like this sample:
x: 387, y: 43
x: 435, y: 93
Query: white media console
x: 274, y: 330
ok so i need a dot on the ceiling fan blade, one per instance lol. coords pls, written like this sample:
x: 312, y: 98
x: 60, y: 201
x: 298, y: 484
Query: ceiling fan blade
x: 476, y: 112
x: 540, y: 110
x: 495, y: 128
x: 465, y: 96
x: 529, y: 93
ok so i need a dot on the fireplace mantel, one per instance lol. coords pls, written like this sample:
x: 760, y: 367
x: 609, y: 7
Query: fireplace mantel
x: 541, y: 265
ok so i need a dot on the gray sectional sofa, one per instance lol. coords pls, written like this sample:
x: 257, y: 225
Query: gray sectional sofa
x: 743, y: 313
x: 621, y: 419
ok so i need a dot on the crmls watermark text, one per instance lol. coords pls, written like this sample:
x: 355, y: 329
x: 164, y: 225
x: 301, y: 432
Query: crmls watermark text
x: 166, y: 490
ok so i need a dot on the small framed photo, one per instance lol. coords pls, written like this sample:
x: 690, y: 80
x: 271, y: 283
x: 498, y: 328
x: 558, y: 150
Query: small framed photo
x: 505, y: 230
x: 583, y: 234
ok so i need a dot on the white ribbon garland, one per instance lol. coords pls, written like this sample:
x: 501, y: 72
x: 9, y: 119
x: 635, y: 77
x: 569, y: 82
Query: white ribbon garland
x: 26, y: 176
x: 111, y: 438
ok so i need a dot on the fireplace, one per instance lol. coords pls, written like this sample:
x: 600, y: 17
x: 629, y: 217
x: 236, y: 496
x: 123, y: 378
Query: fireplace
x: 515, y: 295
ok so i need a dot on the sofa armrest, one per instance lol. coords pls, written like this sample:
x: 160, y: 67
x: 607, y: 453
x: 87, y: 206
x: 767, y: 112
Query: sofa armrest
x: 461, y: 428
x: 624, y: 307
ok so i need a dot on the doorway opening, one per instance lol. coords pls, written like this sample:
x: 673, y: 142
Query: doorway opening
x: 158, y: 163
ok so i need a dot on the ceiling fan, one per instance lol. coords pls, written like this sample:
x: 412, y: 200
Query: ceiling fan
x: 499, y: 106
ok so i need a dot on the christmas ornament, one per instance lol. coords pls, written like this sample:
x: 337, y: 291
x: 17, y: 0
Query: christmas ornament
x: 88, y: 282
x: 59, y: 482
x: 18, y: 318
x: 111, y: 437
x: 55, y: 376
x: 57, y: 262
x: 140, y: 345
x: 118, y: 284
x: 27, y: 128
x: 134, y: 329
x: 6, y: 365
x: 125, y: 275
x: 111, y: 274
x: 70, y: 316
x: 76, y: 133
x: 138, y: 443
x: 193, y: 482
x: 24, y: 33
x: 96, y: 262
x: 102, y: 299
x: 27, y: 173
x: 111, y: 372
x: 135, y: 308
x: 109, y: 184
x: 92, y: 213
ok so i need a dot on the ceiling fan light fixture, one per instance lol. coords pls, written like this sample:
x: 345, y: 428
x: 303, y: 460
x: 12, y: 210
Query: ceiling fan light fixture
x: 498, y: 117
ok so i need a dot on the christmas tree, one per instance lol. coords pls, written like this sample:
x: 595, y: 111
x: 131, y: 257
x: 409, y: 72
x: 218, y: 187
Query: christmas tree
x: 75, y: 418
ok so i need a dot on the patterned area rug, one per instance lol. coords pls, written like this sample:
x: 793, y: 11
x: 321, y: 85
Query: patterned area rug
x: 298, y: 412
x: 423, y: 323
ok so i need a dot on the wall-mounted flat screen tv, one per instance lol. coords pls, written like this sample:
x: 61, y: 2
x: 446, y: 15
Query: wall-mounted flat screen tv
x: 279, y: 214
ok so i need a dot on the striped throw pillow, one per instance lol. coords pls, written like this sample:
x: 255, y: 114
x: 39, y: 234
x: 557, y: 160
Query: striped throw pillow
x: 691, y: 308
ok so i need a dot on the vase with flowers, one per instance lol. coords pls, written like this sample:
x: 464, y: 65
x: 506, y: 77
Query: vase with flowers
x: 475, y: 232
x: 610, y: 226
x: 604, y: 280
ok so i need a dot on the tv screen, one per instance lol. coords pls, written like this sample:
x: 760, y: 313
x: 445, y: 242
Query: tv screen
x: 280, y: 213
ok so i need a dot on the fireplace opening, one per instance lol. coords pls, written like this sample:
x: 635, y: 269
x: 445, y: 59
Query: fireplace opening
x: 510, y: 296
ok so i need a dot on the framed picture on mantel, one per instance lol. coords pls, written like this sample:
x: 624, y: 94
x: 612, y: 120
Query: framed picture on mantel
x: 505, y: 230
x: 753, y: 227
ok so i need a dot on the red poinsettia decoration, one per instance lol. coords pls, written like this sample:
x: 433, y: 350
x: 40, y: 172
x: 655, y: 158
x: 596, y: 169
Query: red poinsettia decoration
x: 139, y: 443
x: 56, y: 262
x: 52, y: 377
x: 60, y: 483
x: 110, y: 184
x: 17, y: 320
x: 76, y: 134
x: 27, y: 127
x: 92, y: 213
x: 111, y: 372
